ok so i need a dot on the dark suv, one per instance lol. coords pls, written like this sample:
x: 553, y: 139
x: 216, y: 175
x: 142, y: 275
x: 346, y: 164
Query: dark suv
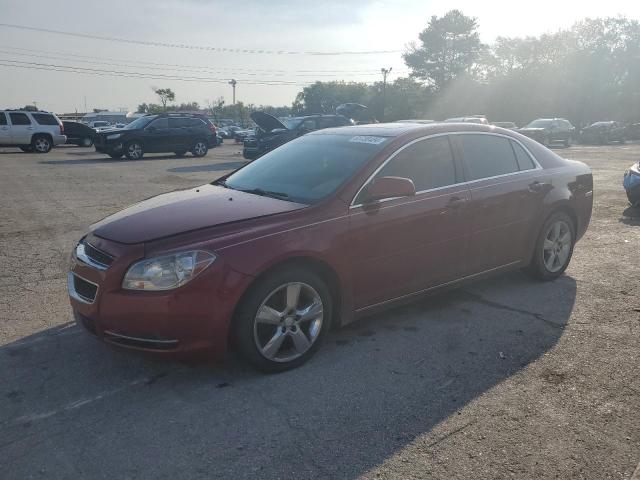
x: 550, y: 131
x: 604, y: 133
x: 272, y: 133
x: 166, y: 132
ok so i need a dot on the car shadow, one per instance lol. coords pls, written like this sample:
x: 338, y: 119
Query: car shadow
x: 631, y: 216
x: 212, y: 167
x: 101, y: 160
x: 70, y: 406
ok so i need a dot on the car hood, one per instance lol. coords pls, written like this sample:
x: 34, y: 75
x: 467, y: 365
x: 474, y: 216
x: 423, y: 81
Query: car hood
x: 267, y: 122
x: 186, y: 210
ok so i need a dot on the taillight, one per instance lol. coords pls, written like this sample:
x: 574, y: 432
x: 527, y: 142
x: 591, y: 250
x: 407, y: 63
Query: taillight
x: 212, y: 127
x: 61, y: 129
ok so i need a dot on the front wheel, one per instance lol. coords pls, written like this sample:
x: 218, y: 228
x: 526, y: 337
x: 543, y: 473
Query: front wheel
x: 200, y: 149
x: 554, y: 247
x: 283, y: 319
x: 133, y: 151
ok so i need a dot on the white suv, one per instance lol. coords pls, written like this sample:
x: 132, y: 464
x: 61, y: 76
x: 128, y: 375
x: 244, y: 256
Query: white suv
x: 30, y: 131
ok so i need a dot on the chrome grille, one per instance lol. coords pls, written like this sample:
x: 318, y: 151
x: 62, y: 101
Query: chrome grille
x: 90, y: 255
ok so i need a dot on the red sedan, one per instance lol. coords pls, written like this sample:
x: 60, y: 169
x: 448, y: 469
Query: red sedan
x: 322, y: 230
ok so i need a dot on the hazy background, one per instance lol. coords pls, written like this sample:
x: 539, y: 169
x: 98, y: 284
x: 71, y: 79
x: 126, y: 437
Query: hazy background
x: 325, y: 26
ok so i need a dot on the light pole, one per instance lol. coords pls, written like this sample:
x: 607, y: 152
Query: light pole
x: 385, y: 72
x: 233, y: 83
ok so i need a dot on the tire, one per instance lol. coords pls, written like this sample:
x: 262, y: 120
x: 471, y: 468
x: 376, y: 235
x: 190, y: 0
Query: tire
x: 86, y: 142
x: 200, y: 148
x: 115, y: 155
x: 41, y: 144
x: 27, y: 149
x: 180, y: 153
x: 551, y: 254
x: 568, y: 142
x: 133, y: 150
x: 284, y: 339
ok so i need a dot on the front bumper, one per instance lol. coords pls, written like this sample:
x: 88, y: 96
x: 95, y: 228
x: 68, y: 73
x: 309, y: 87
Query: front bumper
x: 192, y: 319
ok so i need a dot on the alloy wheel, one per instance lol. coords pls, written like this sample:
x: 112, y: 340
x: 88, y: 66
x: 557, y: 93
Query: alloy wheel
x: 200, y: 149
x: 557, y: 246
x: 288, y: 322
x: 42, y: 145
x: 134, y: 151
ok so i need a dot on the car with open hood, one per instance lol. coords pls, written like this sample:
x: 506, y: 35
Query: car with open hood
x: 325, y: 229
x: 550, y: 131
x: 273, y: 132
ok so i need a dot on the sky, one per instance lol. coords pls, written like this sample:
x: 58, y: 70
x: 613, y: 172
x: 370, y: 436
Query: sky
x: 201, y: 74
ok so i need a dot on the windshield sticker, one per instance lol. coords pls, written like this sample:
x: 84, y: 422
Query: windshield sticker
x: 367, y: 139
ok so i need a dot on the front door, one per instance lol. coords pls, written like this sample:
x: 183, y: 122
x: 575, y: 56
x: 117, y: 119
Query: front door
x: 405, y: 245
x: 21, y: 128
x: 5, y: 130
x: 157, y: 136
x: 507, y: 188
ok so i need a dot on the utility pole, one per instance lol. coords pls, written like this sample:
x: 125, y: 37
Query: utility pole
x: 385, y: 72
x: 233, y: 83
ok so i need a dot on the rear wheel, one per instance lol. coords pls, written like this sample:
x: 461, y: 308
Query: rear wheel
x: 283, y: 320
x: 200, y: 149
x: 554, y: 247
x: 41, y: 144
x: 133, y: 150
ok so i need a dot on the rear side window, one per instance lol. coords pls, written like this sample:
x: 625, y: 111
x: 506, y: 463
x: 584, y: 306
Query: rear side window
x: 488, y: 156
x: 19, y: 119
x: 429, y: 163
x: 176, y: 122
x: 525, y: 162
x: 3, y: 118
x: 45, y: 119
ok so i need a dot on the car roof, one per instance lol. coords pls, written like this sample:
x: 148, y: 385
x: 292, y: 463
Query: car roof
x: 400, y: 129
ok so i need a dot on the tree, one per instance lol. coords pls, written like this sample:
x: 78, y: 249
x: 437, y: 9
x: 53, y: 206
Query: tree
x: 143, y: 108
x: 449, y: 47
x: 165, y: 95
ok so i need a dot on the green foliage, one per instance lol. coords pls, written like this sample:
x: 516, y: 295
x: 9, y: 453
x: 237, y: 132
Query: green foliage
x: 165, y: 95
x: 449, y: 47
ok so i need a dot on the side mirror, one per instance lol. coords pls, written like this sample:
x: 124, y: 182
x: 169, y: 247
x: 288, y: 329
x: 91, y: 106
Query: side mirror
x: 389, y: 187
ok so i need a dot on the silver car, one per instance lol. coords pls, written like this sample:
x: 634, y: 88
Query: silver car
x: 30, y: 131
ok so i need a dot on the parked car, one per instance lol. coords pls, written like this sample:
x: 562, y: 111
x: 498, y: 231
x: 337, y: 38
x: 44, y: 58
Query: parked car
x: 227, y: 132
x: 272, y: 132
x: 631, y: 184
x: 79, y: 133
x: 166, y: 132
x: 325, y: 229
x: 550, y: 131
x: 471, y: 119
x: 604, y: 133
x: 240, y: 135
x: 30, y: 131
x: 507, y: 125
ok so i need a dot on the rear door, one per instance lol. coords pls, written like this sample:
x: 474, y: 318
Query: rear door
x: 405, y: 245
x: 506, y: 187
x: 21, y: 128
x: 5, y: 130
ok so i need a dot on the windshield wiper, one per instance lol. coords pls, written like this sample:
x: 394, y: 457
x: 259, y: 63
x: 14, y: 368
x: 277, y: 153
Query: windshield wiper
x: 266, y: 193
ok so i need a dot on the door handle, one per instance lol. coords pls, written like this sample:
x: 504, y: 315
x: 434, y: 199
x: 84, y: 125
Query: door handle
x: 537, y: 186
x: 29, y: 128
x: 456, y: 202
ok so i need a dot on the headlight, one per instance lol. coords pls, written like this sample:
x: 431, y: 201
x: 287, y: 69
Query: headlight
x: 113, y: 136
x: 167, y: 272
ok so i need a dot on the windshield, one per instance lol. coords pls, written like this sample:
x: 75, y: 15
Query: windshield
x: 138, y: 123
x: 540, y: 123
x: 307, y: 169
x: 291, y: 122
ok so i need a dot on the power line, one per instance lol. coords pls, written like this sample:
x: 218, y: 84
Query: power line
x: 195, y: 67
x: 115, y: 73
x: 250, y: 72
x: 197, y: 47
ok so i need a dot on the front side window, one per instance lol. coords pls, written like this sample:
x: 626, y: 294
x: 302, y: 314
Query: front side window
x: 428, y: 163
x: 3, y: 118
x: 19, y: 119
x: 488, y: 156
